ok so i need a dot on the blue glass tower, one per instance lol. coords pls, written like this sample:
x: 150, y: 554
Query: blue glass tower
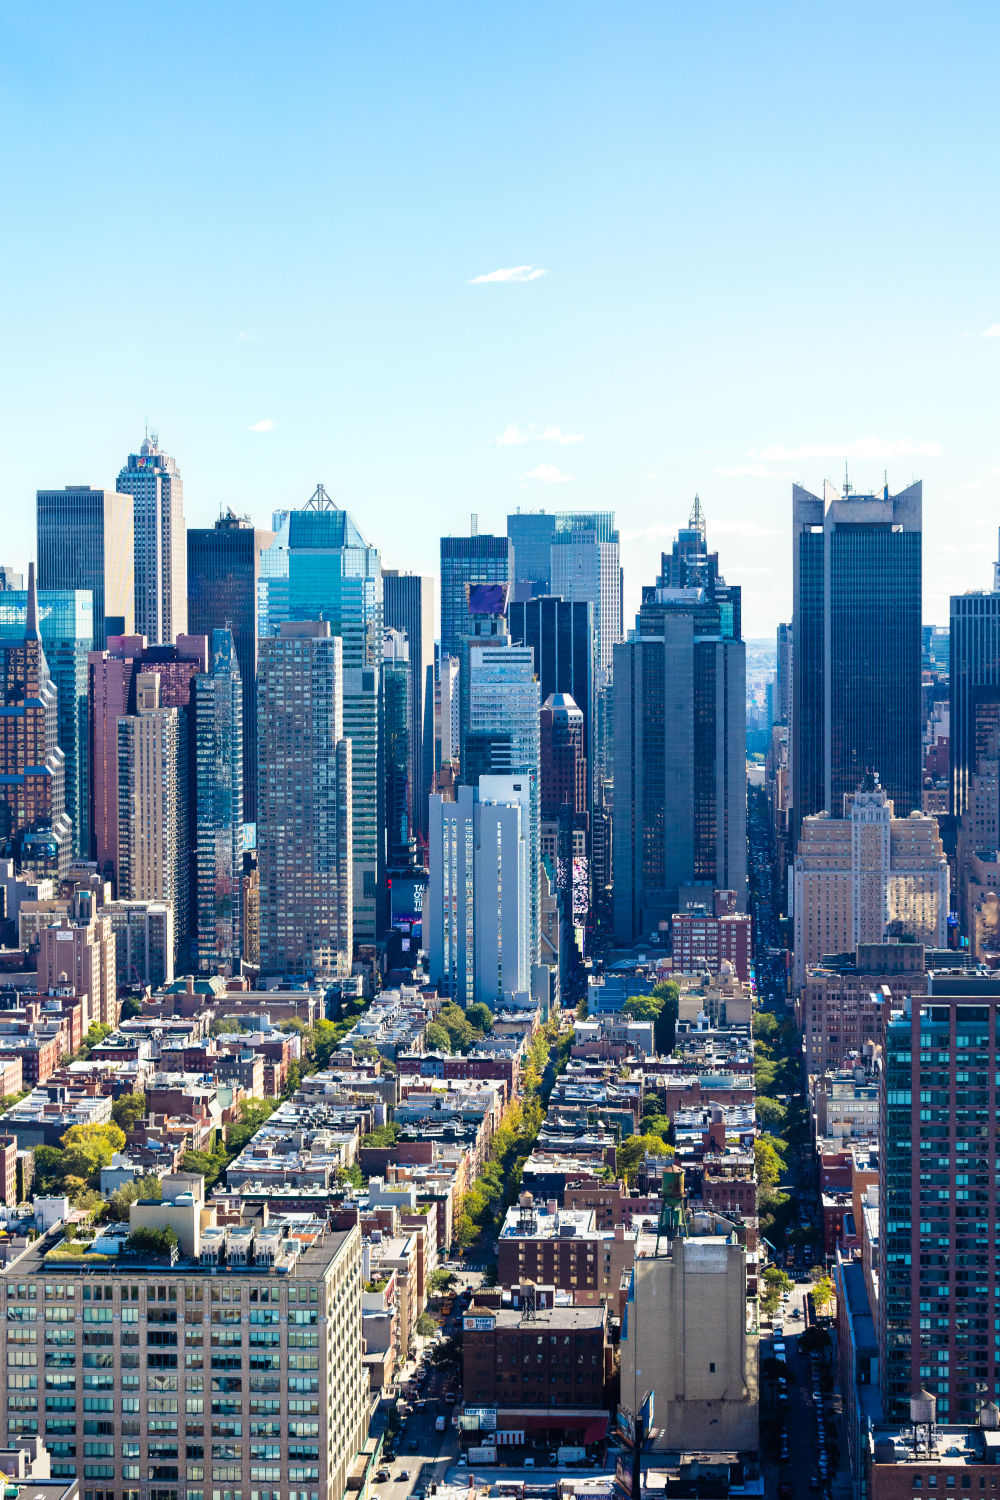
x: 66, y: 626
x: 320, y: 567
x: 217, y: 844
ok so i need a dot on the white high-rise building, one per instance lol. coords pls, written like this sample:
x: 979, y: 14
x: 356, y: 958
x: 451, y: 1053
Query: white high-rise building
x: 867, y: 876
x: 151, y: 478
x: 478, y: 909
x: 152, y: 804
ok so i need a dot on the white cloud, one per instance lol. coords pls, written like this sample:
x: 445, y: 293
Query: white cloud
x: 264, y: 425
x: 866, y: 447
x: 993, y: 332
x: 754, y: 471
x: 533, y: 433
x: 548, y: 474
x: 510, y: 273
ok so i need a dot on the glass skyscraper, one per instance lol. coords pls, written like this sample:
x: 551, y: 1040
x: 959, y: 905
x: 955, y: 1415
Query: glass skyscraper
x: 679, y: 688
x: 216, y: 714
x: 857, y: 647
x: 409, y: 607
x: 66, y: 626
x: 151, y: 478
x: 223, y: 570
x: 573, y: 554
x: 85, y: 541
x: 467, y: 560
x: 974, y: 677
x: 320, y: 567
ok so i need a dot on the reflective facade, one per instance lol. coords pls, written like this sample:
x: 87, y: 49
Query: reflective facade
x: 217, y: 728
x: 857, y: 647
x: 320, y: 567
x: 408, y: 601
x: 223, y: 570
x: 157, y: 491
x: 974, y: 650
x: 86, y: 541
x: 467, y: 560
x: 66, y: 626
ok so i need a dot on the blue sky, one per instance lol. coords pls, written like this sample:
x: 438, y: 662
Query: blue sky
x: 769, y: 237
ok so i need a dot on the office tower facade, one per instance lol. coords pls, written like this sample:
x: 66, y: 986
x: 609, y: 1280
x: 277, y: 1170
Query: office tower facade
x: 563, y: 784
x: 223, y: 570
x: 304, y: 811
x: 561, y: 633
x: 448, y: 732
x: 144, y: 942
x: 478, y: 907
x: 586, y: 566
x: 33, y: 822
x: 856, y: 574
x: 66, y: 626
x: 408, y: 605
x: 217, y: 769
x: 783, y: 676
x: 679, y: 811
x: 466, y: 561
x: 320, y: 567
x: 974, y: 677
x: 397, y: 752
x: 111, y: 681
x: 939, y: 1297
x: 153, y: 805
x: 86, y: 541
x: 531, y: 534
x: 271, y: 1321
x: 10, y: 579
x: 83, y: 951
x: 865, y: 876
x: 151, y: 478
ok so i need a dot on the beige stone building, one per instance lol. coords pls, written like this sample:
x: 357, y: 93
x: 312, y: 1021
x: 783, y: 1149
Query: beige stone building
x: 233, y: 1367
x: 866, y: 875
x: 85, y: 953
x: 690, y: 1336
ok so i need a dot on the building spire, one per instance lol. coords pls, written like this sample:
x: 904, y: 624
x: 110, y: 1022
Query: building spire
x: 31, y: 618
x: 696, y: 521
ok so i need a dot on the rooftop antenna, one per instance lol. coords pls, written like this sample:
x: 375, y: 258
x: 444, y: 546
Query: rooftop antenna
x: 319, y: 500
x: 474, y: 530
x: 847, y: 482
x: 696, y: 521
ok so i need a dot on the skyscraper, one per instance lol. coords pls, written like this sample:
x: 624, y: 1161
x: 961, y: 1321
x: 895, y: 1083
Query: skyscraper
x: 783, y: 675
x: 679, y: 687
x: 974, y: 672
x: 408, y: 602
x: 111, y: 693
x: 320, y: 567
x: 563, y: 802
x: 856, y: 573
x: 467, y: 560
x: 939, y: 1296
x: 586, y: 565
x: 304, y: 811
x: 397, y: 751
x: 531, y: 534
x: 561, y: 634
x: 86, y: 541
x: 223, y: 569
x: 66, y: 626
x: 33, y: 822
x: 151, y: 478
x: 477, y: 913
x: 217, y: 727
x: 153, y: 804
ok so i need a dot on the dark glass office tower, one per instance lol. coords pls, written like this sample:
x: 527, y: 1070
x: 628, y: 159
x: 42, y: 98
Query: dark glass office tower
x: 857, y: 646
x: 974, y: 666
x: 223, y: 567
x: 679, y: 811
x: 561, y: 633
x: 85, y: 541
x: 408, y: 605
x: 467, y: 560
x: 531, y: 534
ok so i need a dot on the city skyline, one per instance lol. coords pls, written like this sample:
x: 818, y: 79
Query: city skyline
x: 600, y: 298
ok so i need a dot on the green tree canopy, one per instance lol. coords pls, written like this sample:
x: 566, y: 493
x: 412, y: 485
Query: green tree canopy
x: 776, y: 1277
x: 633, y: 1151
x: 437, y: 1038
x: 131, y: 1007
x: 480, y: 1017
x: 128, y: 1110
x: 771, y: 1115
